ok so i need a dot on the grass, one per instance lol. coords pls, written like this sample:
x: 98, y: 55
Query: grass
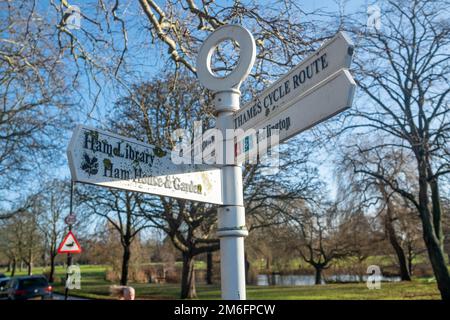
x: 94, y: 285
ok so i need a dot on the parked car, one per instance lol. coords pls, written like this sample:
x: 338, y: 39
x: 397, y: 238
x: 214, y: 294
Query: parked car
x: 4, y: 287
x: 29, y: 287
x: 2, y: 275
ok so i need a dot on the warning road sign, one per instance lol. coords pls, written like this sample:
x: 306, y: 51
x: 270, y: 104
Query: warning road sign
x: 69, y: 244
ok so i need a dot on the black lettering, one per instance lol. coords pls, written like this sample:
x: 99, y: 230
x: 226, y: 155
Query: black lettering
x: 286, y: 87
x: 265, y: 100
x: 309, y: 71
x: 302, y: 79
x: 324, y: 61
x: 296, y: 81
x: 107, y: 171
x: 275, y: 97
x: 316, y: 63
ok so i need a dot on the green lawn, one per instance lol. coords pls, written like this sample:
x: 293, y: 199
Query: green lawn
x: 93, y: 285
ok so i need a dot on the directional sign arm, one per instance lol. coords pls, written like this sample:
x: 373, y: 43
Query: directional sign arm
x: 331, y: 57
x: 327, y: 99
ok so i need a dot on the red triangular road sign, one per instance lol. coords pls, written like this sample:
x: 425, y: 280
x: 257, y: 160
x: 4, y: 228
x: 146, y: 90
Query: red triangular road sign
x: 69, y: 244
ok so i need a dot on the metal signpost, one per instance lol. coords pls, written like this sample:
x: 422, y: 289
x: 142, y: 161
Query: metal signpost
x: 313, y: 91
x: 69, y: 244
x: 231, y: 225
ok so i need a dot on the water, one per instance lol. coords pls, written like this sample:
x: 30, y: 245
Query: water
x: 309, y: 280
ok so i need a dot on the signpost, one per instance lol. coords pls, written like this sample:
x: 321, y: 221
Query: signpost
x: 70, y: 244
x: 231, y: 225
x: 313, y: 91
x: 106, y: 159
x: 71, y: 219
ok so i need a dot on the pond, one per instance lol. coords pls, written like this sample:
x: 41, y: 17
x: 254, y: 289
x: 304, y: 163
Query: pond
x: 309, y: 280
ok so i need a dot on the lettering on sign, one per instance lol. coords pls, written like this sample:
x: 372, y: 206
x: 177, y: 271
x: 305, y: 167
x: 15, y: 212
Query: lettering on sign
x: 327, y: 60
x: 110, y: 160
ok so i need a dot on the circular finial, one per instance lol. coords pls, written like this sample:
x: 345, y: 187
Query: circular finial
x: 245, y: 63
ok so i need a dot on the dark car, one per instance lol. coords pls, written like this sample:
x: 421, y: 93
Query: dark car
x: 2, y: 276
x: 29, y: 287
x: 4, y: 287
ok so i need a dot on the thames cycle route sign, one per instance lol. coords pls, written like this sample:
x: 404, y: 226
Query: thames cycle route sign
x: 315, y: 90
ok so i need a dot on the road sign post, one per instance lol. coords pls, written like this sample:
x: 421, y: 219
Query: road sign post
x: 231, y: 224
x: 69, y: 255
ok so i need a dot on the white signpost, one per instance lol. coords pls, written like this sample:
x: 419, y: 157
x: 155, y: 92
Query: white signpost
x: 106, y: 159
x: 315, y: 90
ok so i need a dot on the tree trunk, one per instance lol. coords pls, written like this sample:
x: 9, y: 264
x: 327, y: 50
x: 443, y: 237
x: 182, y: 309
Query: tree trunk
x: 410, y: 258
x: 432, y: 241
x: 209, y: 267
x: 125, y: 264
x: 437, y: 211
x: 188, y: 277
x: 13, y: 267
x: 52, y: 268
x: 438, y: 263
x: 30, y: 268
x: 392, y: 236
x: 268, y: 264
x: 318, y: 274
x: 401, y: 257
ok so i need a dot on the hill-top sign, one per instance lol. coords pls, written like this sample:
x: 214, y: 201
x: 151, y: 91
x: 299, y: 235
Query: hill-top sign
x: 102, y: 158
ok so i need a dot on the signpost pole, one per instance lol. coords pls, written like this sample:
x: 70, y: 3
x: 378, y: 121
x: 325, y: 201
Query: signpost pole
x: 69, y: 255
x: 231, y: 215
x: 231, y: 224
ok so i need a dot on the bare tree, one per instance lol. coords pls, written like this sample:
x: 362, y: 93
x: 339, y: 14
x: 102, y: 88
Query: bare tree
x: 154, y: 111
x: 403, y: 70
x: 317, y: 231
x: 120, y: 209
x: 281, y: 36
x: 55, y: 197
x: 393, y: 211
x: 21, y: 238
x: 34, y: 89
